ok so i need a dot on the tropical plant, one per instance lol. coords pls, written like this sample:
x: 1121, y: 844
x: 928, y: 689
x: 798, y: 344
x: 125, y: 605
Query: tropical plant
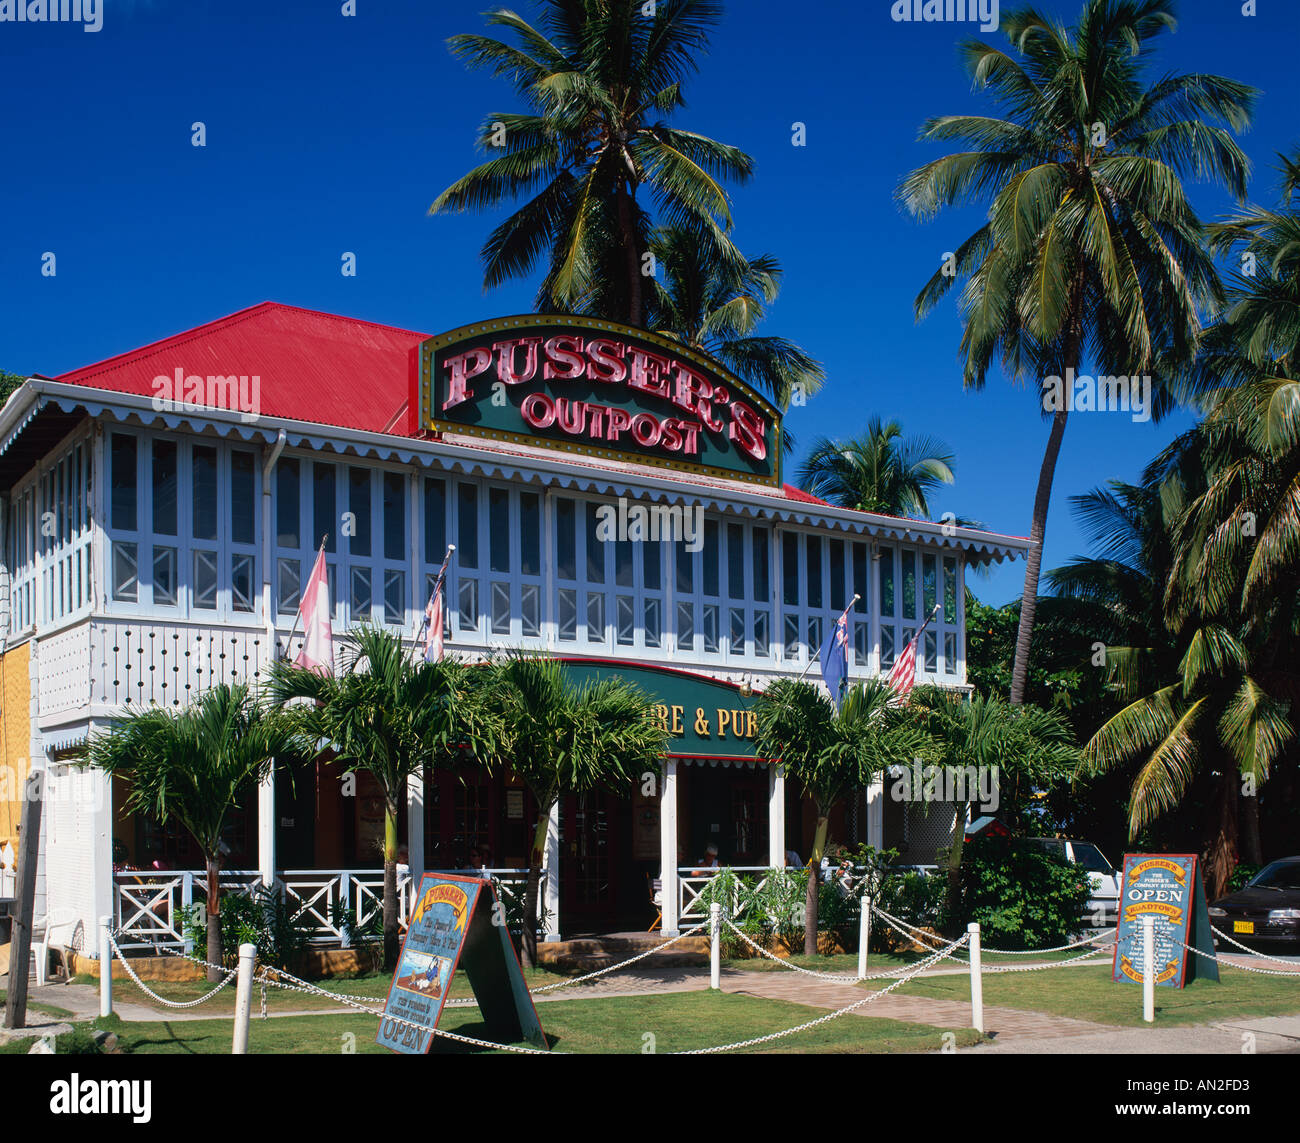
x: 562, y: 739
x: 390, y: 717
x: 1018, y: 748
x: 600, y: 77
x: 714, y: 303
x: 261, y: 918
x: 193, y: 766
x: 1020, y: 895
x: 1228, y: 492
x: 879, y: 471
x: 1091, y: 248
x: 833, y: 752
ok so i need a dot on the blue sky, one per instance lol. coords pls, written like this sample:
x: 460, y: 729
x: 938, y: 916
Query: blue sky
x: 328, y: 134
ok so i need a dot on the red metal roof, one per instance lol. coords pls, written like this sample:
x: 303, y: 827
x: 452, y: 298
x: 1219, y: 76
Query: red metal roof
x: 313, y: 366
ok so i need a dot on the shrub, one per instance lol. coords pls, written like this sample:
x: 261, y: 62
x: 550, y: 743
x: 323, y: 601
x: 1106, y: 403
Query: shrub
x: 261, y: 918
x: 1022, y: 896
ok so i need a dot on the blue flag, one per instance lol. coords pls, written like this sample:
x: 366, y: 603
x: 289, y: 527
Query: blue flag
x: 835, y: 658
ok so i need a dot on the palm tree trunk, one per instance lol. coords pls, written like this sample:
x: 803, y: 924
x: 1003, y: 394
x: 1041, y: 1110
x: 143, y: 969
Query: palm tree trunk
x: 214, y: 918
x: 952, y: 900
x: 528, y: 937
x: 391, y: 927
x: 636, y: 307
x: 1034, y: 562
x: 810, y: 909
x: 1221, y: 853
x: 1251, y: 848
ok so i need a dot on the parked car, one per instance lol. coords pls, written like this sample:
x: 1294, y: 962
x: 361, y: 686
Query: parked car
x: 1267, y: 909
x: 1103, y: 905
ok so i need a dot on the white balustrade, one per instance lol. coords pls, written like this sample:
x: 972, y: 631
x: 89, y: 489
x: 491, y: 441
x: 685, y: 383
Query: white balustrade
x: 149, y: 906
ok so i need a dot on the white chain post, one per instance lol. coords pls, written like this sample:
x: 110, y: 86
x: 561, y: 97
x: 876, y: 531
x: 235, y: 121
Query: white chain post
x: 864, y: 937
x: 976, y: 980
x: 715, y: 946
x: 243, y: 999
x: 1149, y: 969
x: 105, y: 968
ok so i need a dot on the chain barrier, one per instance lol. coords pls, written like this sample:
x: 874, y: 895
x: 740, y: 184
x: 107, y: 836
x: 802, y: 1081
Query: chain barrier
x: 838, y: 977
x: 1265, y: 956
x: 691, y: 932
x: 871, y: 996
x: 894, y: 922
x: 140, y: 984
x: 1243, y: 967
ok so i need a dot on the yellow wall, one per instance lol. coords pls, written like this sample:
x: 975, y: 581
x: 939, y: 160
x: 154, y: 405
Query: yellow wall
x: 15, y: 738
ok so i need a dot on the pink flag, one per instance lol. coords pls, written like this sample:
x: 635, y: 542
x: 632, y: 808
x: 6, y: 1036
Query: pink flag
x: 433, y: 626
x: 317, y: 652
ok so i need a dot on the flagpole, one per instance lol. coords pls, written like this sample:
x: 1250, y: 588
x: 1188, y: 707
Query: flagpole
x: 288, y: 646
x: 817, y: 656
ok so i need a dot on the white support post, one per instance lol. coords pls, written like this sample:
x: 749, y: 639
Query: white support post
x: 864, y: 937
x: 876, y: 813
x: 715, y: 946
x: 266, y: 823
x: 243, y: 999
x: 187, y: 902
x: 345, y: 897
x: 775, y: 816
x: 415, y: 824
x: 552, y: 897
x: 1149, y: 969
x: 105, y: 968
x: 976, y: 979
x: 668, y: 848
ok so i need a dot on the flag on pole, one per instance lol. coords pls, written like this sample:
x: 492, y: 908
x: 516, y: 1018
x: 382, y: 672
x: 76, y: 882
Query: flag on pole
x: 902, y: 678
x: 317, y: 653
x: 433, y: 621
x: 834, y: 655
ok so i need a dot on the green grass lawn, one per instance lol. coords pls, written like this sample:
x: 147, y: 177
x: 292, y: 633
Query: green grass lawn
x: 847, y: 963
x: 679, y: 1021
x: 1087, y: 993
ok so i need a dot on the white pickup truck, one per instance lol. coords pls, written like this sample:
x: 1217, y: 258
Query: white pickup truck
x: 1103, y: 905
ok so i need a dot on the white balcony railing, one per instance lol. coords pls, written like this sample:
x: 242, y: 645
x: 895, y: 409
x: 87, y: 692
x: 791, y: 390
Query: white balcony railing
x: 149, y: 908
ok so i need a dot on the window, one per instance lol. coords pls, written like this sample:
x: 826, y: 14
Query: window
x: 360, y: 543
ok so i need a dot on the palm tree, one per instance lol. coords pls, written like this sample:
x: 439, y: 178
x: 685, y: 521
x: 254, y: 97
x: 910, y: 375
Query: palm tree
x: 192, y: 766
x: 714, y: 304
x: 560, y: 739
x: 600, y: 78
x: 1091, y: 247
x: 879, y: 471
x: 389, y: 716
x: 833, y: 753
x: 1023, y: 745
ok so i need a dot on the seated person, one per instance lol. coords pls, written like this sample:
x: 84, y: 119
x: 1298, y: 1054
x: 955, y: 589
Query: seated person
x: 708, y: 862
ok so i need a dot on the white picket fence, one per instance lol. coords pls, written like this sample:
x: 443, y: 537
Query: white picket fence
x: 149, y: 908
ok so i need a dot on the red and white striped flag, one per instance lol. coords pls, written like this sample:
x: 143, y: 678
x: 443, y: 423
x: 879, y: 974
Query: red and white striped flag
x: 433, y: 621
x: 317, y: 653
x: 902, y: 677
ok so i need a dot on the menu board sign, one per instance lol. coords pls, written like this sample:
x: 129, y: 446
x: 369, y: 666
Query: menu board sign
x: 456, y: 922
x: 1166, y: 886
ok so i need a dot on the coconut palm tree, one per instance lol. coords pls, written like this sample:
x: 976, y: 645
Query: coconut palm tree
x: 562, y: 739
x: 192, y: 766
x: 390, y: 717
x: 601, y: 78
x: 1090, y: 250
x: 833, y: 753
x: 1018, y: 746
x: 711, y: 303
x: 879, y: 471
